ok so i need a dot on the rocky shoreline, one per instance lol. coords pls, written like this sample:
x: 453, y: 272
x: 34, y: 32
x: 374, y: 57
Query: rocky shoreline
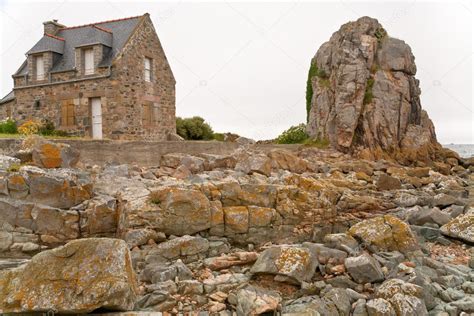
x: 298, y: 233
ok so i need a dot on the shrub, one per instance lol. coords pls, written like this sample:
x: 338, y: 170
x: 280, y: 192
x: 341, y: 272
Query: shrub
x: 8, y: 126
x: 380, y: 34
x: 30, y: 127
x: 219, y: 137
x: 47, y: 129
x: 294, y: 135
x: 194, y: 128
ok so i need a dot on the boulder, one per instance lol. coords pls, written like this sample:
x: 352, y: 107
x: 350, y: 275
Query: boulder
x: 233, y: 259
x: 253, y: 162
x: 405, y: 298
x: 6, y: 162
x: 386, y: 182
x: 296, y: 263
x: 253, y: 300
x: 380, y: 307
x: 178, y: 247
x: 161, y: 272
x: 364, y: 269
x: 385, y: 233
x: 283, y: 159
x: 421, y: 216
x: 47, y: 154
x: 82, y: 276
x: 181, y: 211
x: 364, y: 82
x: 62, y: 188
x: 461, y: 227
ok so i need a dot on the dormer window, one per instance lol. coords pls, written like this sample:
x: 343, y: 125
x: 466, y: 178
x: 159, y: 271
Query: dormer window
x: 88, y: 61
x: 39, y: 67
x: 148, y: 63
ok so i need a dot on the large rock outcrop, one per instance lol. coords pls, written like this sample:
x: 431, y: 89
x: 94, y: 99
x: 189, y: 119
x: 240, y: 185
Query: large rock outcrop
x: 366, y: 100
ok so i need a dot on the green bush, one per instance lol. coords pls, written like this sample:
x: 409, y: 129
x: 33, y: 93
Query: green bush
x: 294, y: 135
x: 47, y: 129
x: 218, y: 137
x: 194, y: 128
x: 8, y: 126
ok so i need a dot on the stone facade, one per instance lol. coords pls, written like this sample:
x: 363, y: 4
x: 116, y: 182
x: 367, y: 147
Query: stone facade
x: 132, y: 108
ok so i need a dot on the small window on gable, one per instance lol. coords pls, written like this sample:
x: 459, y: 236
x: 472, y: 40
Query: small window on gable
x: 88, y: 61
x: 148, y: 66
x: 67, y: 114
x: 39, y: 67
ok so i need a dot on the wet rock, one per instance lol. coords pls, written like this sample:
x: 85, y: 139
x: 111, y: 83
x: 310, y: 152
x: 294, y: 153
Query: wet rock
x: 461, y: 227
x: 385, y: 233
x: 295, y: 262
x: 84, y: 275
x: 364, y: 269
x: 253, y: 300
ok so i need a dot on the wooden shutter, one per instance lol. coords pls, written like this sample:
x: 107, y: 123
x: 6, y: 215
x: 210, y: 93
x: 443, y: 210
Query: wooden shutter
x: 67, y: 114
x: 146, y: 114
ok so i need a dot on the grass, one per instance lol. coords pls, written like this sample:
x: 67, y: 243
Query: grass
x: 318, y: 143
x: 19, y: 136
x: 368, y: 95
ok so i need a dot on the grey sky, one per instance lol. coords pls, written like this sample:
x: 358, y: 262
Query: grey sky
x: 243, y: 65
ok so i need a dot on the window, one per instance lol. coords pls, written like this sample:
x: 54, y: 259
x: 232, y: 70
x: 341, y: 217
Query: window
x: 89, y: 61
x: 148, y: 64
x: 67, y: 114
x: 39, y: 61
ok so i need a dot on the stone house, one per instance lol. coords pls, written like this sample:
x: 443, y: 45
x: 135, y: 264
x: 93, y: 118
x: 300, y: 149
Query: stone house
x: 108, y: 79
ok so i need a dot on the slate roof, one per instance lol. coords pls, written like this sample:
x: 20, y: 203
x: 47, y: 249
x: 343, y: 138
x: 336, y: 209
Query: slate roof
x: 10, y: 96
x: 113, y: 34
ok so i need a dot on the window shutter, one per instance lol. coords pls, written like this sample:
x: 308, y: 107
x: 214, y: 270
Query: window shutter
x: 70, y: 114
x: 146, y: 115
x: 39, y: 68
x: 63, y: 114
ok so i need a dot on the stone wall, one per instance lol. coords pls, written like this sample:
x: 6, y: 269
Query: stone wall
x: 122, y: 89
x: 143, y: 153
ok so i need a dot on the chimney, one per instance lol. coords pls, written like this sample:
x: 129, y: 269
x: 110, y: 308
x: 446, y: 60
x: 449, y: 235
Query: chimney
x: 52, y: 27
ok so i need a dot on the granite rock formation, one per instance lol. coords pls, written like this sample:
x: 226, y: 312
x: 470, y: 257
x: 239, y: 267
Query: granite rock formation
x: 366, y: 99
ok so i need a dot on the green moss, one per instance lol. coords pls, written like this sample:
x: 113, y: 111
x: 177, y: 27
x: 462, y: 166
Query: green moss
x: 15, y: 167
x: 368, y: 96
x: 318, y: 143
x: 314, y: 71
x: 380, y: 34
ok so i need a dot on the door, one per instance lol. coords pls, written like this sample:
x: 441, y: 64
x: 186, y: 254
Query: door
x: 96, y: 111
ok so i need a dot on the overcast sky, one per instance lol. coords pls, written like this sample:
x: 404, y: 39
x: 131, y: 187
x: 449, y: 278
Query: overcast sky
x: 243, y: 65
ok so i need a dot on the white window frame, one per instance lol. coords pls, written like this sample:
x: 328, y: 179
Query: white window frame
x: 89, y: 58
x: 39, y: 67
x: 148, y: 66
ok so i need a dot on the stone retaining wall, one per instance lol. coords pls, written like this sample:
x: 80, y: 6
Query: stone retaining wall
x: 142, y: 153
